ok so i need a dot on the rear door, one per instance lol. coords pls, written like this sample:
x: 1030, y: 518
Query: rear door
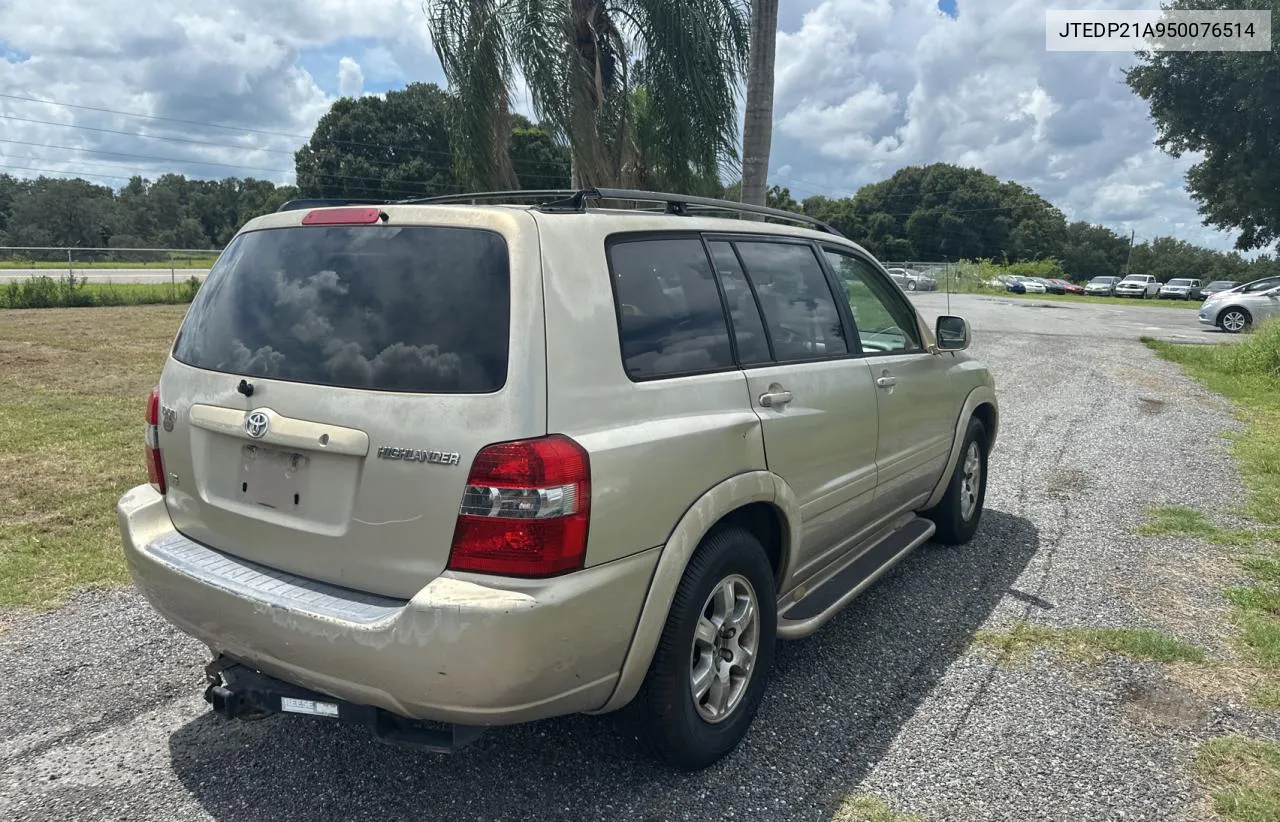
x: 814, y: 396
x: 332, y: 383
x: 914, y: 398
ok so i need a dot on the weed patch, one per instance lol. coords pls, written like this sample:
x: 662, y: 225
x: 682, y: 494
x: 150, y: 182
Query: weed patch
x: 1244, y: 777
x: 1091, y: 644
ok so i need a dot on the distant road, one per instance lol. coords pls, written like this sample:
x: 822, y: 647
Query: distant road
x: 102, y: 275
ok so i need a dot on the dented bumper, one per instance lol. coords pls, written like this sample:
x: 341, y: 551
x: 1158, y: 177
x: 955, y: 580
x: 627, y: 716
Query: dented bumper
x: 465, y: 649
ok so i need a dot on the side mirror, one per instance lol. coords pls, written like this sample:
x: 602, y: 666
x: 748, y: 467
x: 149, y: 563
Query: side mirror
x: 952, y: 333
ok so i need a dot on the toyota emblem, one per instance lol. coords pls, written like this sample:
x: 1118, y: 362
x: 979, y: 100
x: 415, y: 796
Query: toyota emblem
x: 256, y: 425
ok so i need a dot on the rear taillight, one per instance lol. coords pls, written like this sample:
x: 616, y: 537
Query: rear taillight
x: 525, y: 510
x: 155, y: 465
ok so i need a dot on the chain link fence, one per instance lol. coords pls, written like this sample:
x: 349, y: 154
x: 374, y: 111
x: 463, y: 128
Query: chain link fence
x: 51, y: 276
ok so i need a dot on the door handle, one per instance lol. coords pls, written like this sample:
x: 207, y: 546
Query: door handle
x: 887, y: 381
x: 775, y: 399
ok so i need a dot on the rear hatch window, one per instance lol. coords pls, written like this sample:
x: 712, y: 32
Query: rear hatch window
x: 418, y: 309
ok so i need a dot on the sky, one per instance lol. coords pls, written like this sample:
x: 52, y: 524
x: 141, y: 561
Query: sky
x: 863, y: 88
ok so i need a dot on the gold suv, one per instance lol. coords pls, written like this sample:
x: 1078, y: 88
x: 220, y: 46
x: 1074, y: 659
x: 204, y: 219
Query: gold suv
x: 440, y: 465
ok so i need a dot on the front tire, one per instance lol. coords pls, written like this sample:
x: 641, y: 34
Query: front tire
x: 711, y: 667
x: 911, y: 285
x: 1234, y: 320
x: 958, y: 513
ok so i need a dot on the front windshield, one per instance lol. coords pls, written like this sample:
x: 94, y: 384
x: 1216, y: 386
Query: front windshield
x: 1103, y: 280
x: 1179, y: 282
x: 1223, y: 284
x: 1135, y: 278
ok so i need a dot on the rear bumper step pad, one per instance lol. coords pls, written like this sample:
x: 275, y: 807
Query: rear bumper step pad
x: 236, y: 691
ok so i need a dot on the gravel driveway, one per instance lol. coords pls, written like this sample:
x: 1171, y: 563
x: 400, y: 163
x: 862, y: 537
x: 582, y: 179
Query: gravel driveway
x: 102, y: 717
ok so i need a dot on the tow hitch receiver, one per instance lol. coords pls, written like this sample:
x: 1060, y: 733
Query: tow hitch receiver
x: 237, y: 691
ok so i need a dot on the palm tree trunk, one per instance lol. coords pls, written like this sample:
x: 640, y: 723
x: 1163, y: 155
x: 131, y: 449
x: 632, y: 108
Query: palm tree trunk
x: 504, y: 172
x: 757, y: 128
x: 591, y: 165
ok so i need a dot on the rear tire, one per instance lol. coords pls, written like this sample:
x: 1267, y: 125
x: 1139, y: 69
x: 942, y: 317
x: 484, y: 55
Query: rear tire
x: 958, y: 513
x: 691, y: 732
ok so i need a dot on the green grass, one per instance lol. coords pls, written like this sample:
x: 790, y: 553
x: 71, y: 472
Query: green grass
x: 71, y: 442
x: 1244, y: 777
x: 67, y: 292
x: 1091, y: 644
x: 870, y: 809
x: 77, y: 265
x: 1166, y: 520
x: 1094, y: 300
x: 1249, y: 375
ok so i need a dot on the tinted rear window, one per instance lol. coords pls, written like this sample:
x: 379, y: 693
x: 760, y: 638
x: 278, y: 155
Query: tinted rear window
x: 670, y: 317
x: 411, y: 308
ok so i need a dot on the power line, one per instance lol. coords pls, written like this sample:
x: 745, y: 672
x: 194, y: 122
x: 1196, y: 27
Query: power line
x: 177, y: 160
x: 404, y: 188
x: 153, y: 117
x: 304, y: 138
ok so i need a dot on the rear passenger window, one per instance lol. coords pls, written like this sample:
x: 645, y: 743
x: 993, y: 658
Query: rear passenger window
x: 748, y: 327
x: 670, y: 318
x: 796, y: 299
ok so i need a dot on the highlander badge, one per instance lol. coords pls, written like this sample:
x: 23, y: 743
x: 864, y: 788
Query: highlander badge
x: 417, y: 455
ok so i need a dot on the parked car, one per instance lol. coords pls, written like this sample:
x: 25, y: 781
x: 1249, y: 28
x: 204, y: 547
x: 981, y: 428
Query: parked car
x: 1000, y: 282
x: 1235, y: 310
x: 623, y: 497
x: 1180, y: 289
x: 1053, y: 286
x: 1101, y: 286
x: 1216, y: 286
x: 911, y: 280
x: 1138, y: 285
x: 1072, y: 288
x: 1025, y: 285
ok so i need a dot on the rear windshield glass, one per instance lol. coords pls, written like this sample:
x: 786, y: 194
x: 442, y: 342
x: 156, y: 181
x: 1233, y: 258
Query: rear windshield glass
x: 412, y: 308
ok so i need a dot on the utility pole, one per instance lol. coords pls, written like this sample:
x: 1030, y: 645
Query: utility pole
x: 1130, y: 256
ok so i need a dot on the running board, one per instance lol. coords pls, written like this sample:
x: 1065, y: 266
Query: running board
x: 829, y: 598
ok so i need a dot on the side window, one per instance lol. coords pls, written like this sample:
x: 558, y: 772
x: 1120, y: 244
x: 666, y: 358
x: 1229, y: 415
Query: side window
x: 670, y: 319
x: 748, y: 326
x: 1262, y: 285
x: 884, y: 323
x: 804, y: 322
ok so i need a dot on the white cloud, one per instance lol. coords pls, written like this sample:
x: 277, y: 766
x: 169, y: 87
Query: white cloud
x: 350, y: 78
x: 864, y: 87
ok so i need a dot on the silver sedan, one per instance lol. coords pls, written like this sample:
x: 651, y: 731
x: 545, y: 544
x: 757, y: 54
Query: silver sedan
x: 1235, y: 310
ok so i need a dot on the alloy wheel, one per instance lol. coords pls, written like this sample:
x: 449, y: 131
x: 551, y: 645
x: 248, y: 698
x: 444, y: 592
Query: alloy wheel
x: 725, y: 643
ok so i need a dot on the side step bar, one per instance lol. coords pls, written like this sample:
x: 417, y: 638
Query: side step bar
x: 237, y: 691
x: 825, y: 601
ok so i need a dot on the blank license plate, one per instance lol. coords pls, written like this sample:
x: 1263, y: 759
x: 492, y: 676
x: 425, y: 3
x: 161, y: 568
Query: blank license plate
x: 273, y: 478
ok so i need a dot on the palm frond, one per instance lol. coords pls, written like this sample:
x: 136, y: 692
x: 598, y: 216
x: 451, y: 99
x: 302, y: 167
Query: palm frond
x: 470, y: 40
x: 695, y: 55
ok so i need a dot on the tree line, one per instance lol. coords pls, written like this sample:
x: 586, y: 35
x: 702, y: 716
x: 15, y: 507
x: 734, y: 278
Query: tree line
x: 936, y: 213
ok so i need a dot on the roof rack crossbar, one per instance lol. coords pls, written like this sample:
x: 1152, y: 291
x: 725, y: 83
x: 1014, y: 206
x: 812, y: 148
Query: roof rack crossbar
x: 322, y: 202
x: 474, y: 197
x: 679, y: 203
x: 575, y: 200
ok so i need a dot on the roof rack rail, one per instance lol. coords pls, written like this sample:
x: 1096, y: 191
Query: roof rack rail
x: 575, y: 200
x: 297, y: 205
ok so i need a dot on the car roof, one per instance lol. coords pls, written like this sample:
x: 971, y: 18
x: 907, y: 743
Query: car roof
x: 625, y: 219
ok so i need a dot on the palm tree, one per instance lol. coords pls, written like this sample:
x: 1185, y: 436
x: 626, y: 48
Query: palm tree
x: 757, y: 128
x: 583, y: 62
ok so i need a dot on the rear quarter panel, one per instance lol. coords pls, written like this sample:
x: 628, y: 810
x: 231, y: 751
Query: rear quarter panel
x: 655, y: 446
